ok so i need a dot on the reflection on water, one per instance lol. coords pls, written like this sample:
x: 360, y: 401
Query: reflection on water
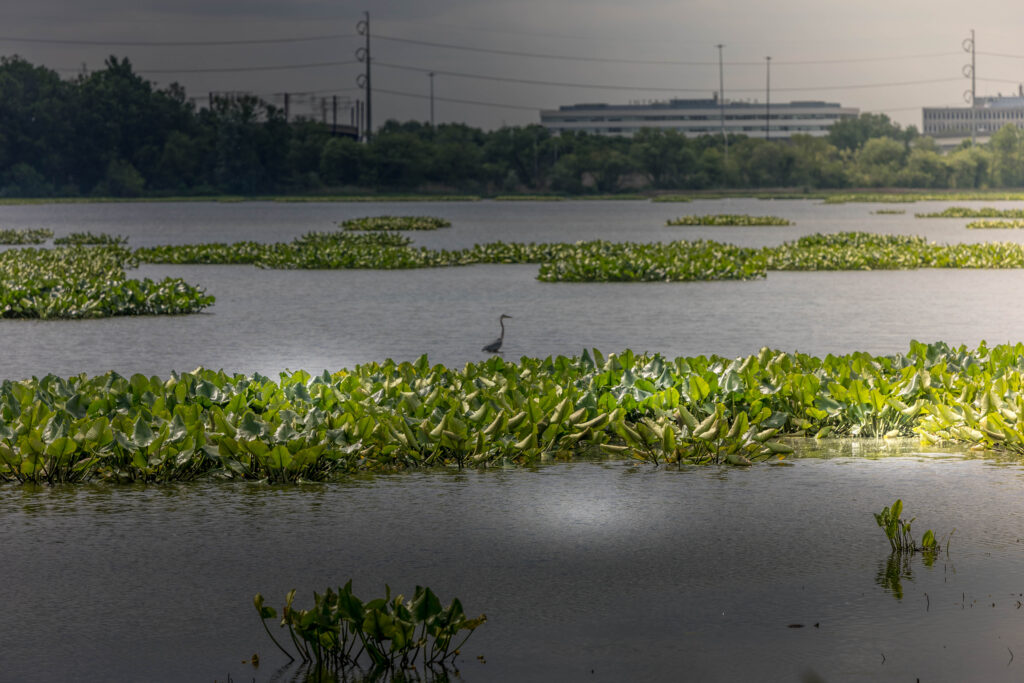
x: 628, y: 571
x: 893, y: 571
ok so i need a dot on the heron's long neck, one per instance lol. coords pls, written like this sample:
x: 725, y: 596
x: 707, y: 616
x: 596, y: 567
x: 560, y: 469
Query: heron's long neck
x: 501, y: 321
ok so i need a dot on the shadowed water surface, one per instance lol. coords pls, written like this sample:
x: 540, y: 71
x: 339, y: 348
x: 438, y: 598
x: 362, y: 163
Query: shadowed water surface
x: 624, y: 571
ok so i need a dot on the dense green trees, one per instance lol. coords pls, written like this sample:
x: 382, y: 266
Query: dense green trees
x: 112, y: 133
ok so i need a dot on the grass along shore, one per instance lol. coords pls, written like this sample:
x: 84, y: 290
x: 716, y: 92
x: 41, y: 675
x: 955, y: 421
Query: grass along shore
x: 898, y: 196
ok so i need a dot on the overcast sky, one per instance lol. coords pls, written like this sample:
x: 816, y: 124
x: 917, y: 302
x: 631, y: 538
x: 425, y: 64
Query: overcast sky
x: 891, y: 57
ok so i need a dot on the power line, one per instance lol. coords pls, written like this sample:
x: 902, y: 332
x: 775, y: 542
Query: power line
x: 475, y: 30
x: 1000, y: 80
x: 244, y: 68
x: 853, y: 60
x: 538, y: 55
x: 530, y: 81
x: 606, y: 60
x: 307, y: 92
x: 862, y: 86
x: 915, y: 108
x: 1000, y: 54
x: 562, y: 84
x: 458, y: 101
x: 171, y: 43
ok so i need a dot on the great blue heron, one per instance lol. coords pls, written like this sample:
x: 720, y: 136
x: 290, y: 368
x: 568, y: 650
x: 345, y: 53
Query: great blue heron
x: 495, y: 346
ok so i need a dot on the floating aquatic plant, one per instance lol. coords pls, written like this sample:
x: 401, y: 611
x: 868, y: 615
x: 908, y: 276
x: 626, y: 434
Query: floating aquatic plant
x: 340, y: 630
x: 729, y: 219
x: 87, y: 238
x: 25, y: 235
x: 680, y: 261
x: 80, y: 282
x: 910, y: 197
x: 396, y: 223
x: 898, y: 531
x: 965, y: 212
x: 383, y: 417
x: 992, y: 224
x: 380, y: 198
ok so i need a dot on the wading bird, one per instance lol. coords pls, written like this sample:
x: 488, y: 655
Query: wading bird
x: 495, y: 346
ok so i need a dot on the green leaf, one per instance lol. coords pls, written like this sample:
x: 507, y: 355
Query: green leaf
x: 143, y: 434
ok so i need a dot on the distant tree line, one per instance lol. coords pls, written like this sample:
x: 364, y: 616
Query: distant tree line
x: 112, y: 133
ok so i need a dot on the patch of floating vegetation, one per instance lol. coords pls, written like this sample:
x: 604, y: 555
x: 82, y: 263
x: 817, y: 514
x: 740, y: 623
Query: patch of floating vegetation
x: 86, y: 282
x: 210, y: 253
x: 395, y: 223
x: 965, y: 212
x: 604, y: 261
x: 263, y: 254
x: 381, y: 198
x: 15, y: 201
x: 87, y: 238
x: 609, y: 197
x: 340, y: 632
x: 680, y: 261
x: 991, y: 224
x: 900, y: 534
x: 729, y: 219
x: 871, y: 251
x: 25, y: 235
x: 383, y: 417
x: 889, y: 212
x: 738, y: 194
x: 530, y: 198
x: 911, y: 197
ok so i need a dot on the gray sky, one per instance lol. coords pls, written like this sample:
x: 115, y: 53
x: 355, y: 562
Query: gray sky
x: 892, y: 57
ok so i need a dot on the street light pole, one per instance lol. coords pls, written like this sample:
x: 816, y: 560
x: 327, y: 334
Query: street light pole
x: 721, y: 103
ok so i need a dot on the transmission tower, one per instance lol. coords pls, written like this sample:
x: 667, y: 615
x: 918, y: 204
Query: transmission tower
x: 969, y: 95
x: 363, y: 80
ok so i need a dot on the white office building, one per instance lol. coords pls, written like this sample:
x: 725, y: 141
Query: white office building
x: 699, y: 117
x: 949, y: 126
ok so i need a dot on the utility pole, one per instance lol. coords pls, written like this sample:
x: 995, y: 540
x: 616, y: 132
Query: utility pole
x: 363, y: 81
x: 968, y: 70
x: 721, y: 110
x: 768, y: 98
x: 431, y: 74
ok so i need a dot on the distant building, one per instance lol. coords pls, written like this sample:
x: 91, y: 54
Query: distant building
x: 699, y: 117
x: 949, y: 126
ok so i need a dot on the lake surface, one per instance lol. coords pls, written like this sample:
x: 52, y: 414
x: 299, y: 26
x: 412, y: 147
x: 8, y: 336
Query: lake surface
x: 587, y: 571
x: 267, y: 321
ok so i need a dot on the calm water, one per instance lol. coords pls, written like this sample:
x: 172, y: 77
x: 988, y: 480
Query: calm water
x: 587, y: 571
x: 625, y: 572
x: 267, y: 321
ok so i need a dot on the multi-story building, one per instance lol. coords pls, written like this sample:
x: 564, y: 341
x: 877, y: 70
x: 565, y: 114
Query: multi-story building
x: 699, y: 117
x: 949, y: 126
